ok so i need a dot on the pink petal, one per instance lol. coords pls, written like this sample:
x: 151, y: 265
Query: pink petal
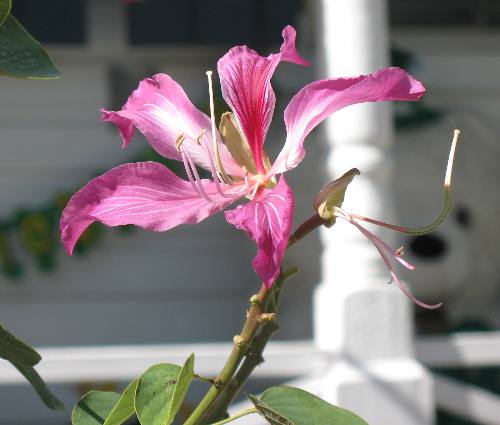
x: 146, y: 194
x: 268, y: 222
x: 246, y: 86
x: 160, y: 109
x: 318, y: 100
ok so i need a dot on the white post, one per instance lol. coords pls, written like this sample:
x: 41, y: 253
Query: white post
x: 358, y: 317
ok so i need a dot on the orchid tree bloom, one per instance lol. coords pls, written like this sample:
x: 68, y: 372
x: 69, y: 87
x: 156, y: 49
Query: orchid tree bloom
x: 151, y: 196
x: 328, y: 204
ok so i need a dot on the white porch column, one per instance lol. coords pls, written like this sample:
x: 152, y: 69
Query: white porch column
x: 358, y: 317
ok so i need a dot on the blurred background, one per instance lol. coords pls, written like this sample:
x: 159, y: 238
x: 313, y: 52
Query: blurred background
x: 128, y: 288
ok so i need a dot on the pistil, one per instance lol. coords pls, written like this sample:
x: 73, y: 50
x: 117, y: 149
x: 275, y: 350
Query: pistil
x: 227, y: 179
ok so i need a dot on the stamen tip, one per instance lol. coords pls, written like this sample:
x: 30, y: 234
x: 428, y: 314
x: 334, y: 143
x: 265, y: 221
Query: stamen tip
x: 434, y: 306
x: 209, y: 73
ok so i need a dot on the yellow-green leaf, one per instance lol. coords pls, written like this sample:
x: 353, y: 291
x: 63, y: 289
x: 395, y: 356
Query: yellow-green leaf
x: 185, y: 377
x: 125, y: 408
x: 155, y: 393
x: 293, y: 406
x: 94, y: 407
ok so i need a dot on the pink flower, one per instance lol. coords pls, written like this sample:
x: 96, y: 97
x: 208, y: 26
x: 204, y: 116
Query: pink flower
x: 151, y: 196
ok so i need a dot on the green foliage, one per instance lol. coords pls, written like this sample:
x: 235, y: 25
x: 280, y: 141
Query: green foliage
x: 5, y: 6
x: 183, y: 382
x: 94, y: 407
x: 293, y: 406
x: 21, y: 55
x: 125, y: 408
x: 13, y: 349
x: 49, y: 399
x: 23, y: 358
x: 155, y: 397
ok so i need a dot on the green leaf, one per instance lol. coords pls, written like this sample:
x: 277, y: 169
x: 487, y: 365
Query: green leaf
x: 21, y: 55
x: 125, y: 408
x: 39, y: 386
x: 293, y: 406
x: 183, y: 382
x: 94, y: 407
x: 13, y: 349
x: 5, y: 6
x: 272, y: 417
x: 154, y: 397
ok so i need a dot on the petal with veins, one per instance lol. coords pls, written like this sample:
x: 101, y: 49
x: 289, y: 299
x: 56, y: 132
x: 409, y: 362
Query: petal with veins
x: 269, y: 223
x: 316, y: 101
x: 161, y: 110
x: 146, y: 194
x: 246, y: 86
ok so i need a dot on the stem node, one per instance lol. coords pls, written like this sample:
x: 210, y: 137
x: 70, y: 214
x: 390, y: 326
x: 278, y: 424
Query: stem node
x: 267, y: 318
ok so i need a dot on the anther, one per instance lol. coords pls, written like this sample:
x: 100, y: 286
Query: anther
x: 254, y: 300
x: 400, y: 251
x: 178, y: 142
x: 198, y: 139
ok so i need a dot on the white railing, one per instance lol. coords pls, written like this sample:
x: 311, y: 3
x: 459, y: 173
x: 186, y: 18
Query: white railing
x: 478, y: 349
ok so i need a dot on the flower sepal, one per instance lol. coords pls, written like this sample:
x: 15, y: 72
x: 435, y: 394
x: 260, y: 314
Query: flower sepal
x: 332, y: 196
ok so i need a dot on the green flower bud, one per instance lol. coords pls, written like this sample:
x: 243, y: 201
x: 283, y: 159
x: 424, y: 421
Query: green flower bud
x: 332, y: 196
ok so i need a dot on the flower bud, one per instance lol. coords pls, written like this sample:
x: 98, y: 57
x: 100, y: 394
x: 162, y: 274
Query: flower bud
x: 332, y: 195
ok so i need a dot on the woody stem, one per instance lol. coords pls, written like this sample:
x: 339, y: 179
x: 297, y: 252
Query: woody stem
x: 225, y: 386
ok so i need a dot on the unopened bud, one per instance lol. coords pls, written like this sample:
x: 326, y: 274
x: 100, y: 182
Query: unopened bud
x: 332, y: 195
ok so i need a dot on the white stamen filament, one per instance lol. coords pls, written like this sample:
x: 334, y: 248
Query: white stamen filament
x: 225, y: 177
x: 215, y: 175
x: 451, y: 158
x: 257, y: 185
x: 397, y: 254
x: 190, y: 176
x: 196, y: 176
x: 382, y: 248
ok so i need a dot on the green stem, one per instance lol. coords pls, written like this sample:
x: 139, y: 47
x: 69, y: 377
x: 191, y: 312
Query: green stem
x: 305, y: 228
x: 241, y: 343
x: 239, y: 415
x: 254, y: 356
x: 204, y: 379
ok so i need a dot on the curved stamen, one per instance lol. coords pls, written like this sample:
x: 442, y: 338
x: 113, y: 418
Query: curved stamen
x: 374, y: 239
x: 196, y: 175
x: 254, y: 192
x: 189, y: 174
x: 178, y: 145
x: 381, y: 247
x: 227, y: 179
x: 215, y: 175
x: 447, y: 201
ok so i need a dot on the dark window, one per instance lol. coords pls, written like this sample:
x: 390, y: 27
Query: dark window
x: 445, y: 12
x: 221, y: 22
x: 54, y: 21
